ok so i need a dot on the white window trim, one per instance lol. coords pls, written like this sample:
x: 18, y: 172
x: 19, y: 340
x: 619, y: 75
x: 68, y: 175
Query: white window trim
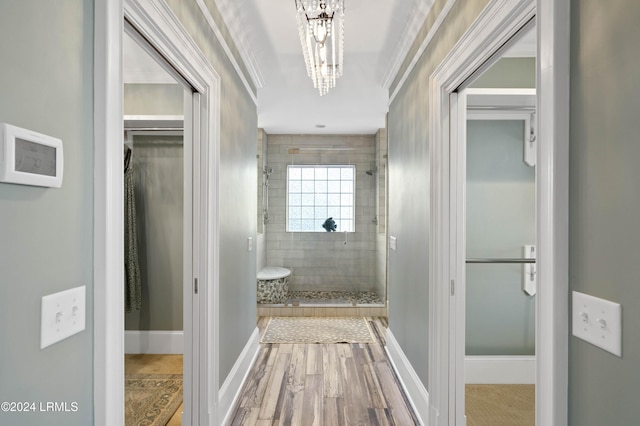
x: 335, y: 166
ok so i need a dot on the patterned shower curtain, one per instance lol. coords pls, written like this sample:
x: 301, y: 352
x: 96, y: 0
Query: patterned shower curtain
x: 132, y: 287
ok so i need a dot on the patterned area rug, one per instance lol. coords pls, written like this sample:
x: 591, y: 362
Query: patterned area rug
x: 151, y: 399
x: 317, y: 330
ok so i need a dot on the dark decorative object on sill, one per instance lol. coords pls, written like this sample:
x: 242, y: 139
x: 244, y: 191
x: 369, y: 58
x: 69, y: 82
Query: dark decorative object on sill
x: 330, y: 225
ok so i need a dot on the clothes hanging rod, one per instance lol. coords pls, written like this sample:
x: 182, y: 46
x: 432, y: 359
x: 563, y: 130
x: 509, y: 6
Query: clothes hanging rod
x: 154, y: 129
x: 504, y: 260
x: 502, y: 108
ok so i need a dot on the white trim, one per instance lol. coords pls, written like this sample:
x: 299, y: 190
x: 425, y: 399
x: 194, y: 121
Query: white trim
x: 457, y: 251
x: 503, y: 98
x: 411, y: 383
x: 153, y: 342
x: 496, y: 24
x: 509, y: 369
x: 232, y: 386
x: 552, y: 177
x: 108, y: 226
x: 216, y: 31
x: 401, y: 49
x: 423, y: 46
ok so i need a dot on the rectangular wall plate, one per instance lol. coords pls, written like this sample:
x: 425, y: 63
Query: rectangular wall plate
x: 62, y: 315
x: 598, y: 321
x: 393, y: 243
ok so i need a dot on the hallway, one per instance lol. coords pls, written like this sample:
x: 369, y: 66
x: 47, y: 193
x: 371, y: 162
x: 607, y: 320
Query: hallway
x: 323, y: 384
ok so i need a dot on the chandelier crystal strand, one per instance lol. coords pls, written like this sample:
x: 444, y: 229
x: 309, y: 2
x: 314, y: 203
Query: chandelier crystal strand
x: 321, y: 32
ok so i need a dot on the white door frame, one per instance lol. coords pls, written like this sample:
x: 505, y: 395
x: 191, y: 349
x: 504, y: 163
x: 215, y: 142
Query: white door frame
x: 498, y: 22
x: 157, y: 23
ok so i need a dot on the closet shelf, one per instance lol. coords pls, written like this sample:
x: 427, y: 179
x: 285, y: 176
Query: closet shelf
x: 145, y: 122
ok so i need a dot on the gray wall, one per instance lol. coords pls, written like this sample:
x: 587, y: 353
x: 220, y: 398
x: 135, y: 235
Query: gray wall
x: 158, y: 166
x: 46, y: 82
x: 158, y: 163
x: 238, y: 135
x: 510, y: 73
x: 409, y: 207
x: 321, y: 261
x: 153, y: 99
x: 500, y: 220
x: 604, y: 205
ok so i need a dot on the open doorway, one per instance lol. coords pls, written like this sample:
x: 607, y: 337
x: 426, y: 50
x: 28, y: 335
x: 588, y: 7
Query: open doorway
x: 494, y: 148
x: 159, y: 27
x: 495, y: 26
x: 156, y: 217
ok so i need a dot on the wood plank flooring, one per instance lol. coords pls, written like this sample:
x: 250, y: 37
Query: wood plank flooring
x: 323, y: 385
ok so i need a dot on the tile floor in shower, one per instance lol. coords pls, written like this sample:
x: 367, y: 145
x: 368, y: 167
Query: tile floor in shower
x: 326, y: 304
x: 351, y: 298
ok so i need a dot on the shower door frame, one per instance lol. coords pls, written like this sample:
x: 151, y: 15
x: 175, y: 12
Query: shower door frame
x: 499, y: 21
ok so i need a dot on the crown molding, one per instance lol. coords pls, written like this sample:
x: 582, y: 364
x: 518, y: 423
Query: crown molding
x: 409, y: 35
x: 423, y: 46
x: 216, y: 31
x: 230, y: 12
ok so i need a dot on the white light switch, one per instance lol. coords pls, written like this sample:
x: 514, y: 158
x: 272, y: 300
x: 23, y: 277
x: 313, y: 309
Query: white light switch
x: 249, y: 243
x: 598, y: 321
x: 62, y: 315
x: 393, y: 243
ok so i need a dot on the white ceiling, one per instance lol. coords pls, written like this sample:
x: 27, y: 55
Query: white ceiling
x: 287, y: 101
x: 378, y: 34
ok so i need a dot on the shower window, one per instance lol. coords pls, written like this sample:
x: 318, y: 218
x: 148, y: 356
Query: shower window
x: 316, y: 193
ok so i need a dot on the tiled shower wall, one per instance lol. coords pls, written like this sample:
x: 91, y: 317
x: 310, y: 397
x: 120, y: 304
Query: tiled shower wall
x: 322, y: 261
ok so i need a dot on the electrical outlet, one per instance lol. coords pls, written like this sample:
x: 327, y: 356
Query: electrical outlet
x: 62, y: 315
x: 598, y: 321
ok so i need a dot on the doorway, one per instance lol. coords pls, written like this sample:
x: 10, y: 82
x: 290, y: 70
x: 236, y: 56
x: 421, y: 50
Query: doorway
x: 489, y: 34
x: 157, y: 216
x: 493, y: 159
x: 494, y: 147
x: 160, y: 28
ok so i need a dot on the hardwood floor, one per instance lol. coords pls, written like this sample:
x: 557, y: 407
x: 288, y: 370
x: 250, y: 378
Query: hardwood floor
x: 323, y: 385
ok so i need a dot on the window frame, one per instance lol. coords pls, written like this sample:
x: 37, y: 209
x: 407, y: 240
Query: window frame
x: 314, y: 167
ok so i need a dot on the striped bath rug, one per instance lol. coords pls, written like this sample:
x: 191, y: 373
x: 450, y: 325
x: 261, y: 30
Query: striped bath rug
x: 318, y: 330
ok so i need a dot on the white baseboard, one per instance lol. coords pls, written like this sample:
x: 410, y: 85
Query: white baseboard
x: 153, y: 342
x: 413, y: 387
x: 500, y: 369
x: 230, y: 389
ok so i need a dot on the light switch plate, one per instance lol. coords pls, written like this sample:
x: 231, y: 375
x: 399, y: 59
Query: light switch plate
x: 598, y: 321
x: 62, y: 315
x: 249, y: 243
x: 393, y: 243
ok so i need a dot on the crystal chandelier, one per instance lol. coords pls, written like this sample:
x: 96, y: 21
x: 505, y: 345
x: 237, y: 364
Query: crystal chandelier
x: 321, y: 29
